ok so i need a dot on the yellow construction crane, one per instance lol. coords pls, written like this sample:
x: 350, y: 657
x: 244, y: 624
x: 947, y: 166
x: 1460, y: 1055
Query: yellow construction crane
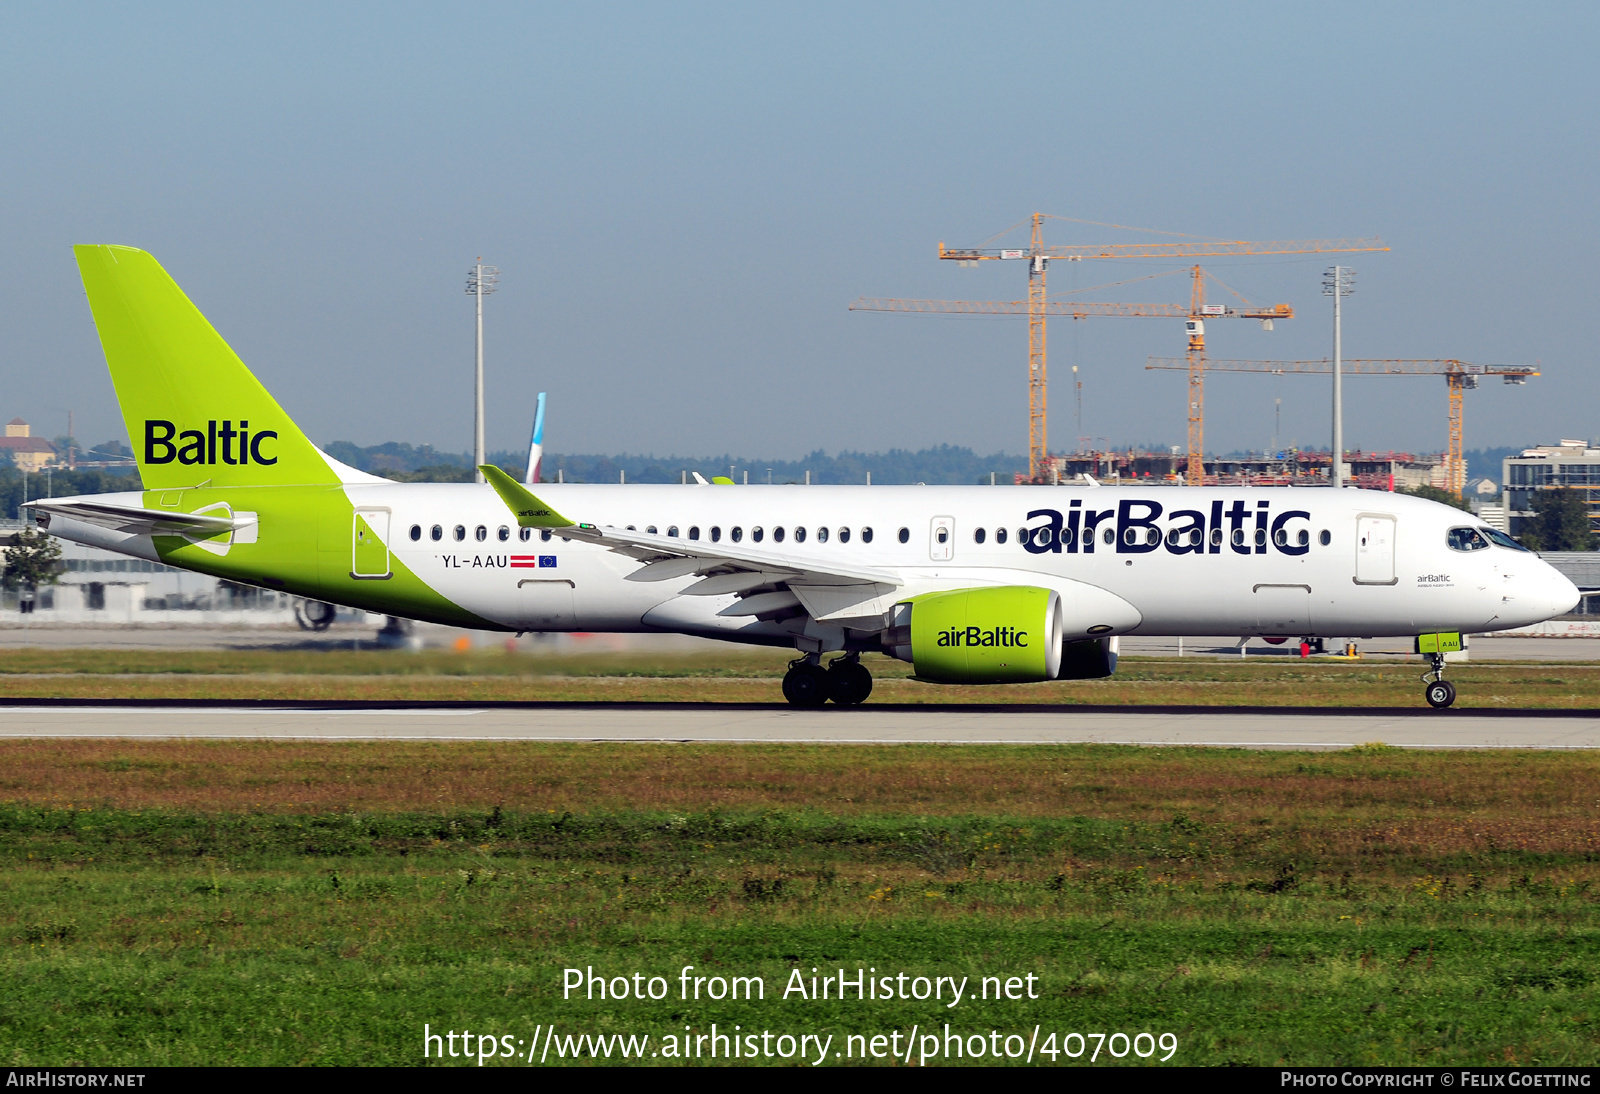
x: 1460, y: 377
x: 1195, y: 314
x: 1039, y: 256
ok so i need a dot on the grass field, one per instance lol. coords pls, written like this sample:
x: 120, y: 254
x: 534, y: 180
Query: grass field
x: 249, y: 902
x: 744, y: 676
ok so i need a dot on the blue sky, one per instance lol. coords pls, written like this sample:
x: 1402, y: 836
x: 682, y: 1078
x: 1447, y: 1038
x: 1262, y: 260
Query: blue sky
x: 684, y: 200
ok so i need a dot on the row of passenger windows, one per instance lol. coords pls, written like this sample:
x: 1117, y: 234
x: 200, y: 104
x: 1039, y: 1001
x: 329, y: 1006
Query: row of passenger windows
x: 779, y: 534
x: 480, y: 533
x: 1041, y: 536
x: 1188, y: 537
x: 736, y: 534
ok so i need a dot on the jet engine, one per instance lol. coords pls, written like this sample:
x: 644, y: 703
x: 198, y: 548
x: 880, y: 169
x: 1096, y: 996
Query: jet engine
x: 1004, y: 635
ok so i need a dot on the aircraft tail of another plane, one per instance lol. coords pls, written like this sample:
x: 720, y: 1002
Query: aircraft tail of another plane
x: 195, y: 414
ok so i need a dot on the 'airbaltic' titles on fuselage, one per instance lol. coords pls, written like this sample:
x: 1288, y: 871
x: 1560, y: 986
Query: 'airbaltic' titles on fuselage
x: 977, y: 636
x: 192, y: 446
x: 1243, y: 528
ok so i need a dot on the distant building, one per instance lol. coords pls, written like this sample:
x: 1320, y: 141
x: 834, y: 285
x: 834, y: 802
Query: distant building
x: 1570, y: 465
x: 27, y: 452
x: 1369, y: 470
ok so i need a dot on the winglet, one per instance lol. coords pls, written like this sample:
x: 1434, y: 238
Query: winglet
x: 529, y: 510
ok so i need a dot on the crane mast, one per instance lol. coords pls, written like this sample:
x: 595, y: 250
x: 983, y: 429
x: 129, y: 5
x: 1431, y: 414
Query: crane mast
x: 1039, y: 308
x: 1460, y: 377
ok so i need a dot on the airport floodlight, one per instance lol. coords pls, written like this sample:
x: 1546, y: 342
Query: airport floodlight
x: 481, y: 281
x: 1337, y: 282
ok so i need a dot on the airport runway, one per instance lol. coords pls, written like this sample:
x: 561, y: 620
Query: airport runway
x: 707, y: 723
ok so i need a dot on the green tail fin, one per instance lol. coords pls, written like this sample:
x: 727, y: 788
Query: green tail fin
x: 194, y: 412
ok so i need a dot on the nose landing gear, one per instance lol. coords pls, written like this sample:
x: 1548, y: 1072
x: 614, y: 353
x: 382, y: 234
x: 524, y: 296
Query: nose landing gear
x: 1439, y: 692
x: 845, y: 681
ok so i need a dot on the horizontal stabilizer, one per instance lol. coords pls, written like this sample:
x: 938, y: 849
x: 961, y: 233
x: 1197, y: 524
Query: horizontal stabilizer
x: 142, y: 522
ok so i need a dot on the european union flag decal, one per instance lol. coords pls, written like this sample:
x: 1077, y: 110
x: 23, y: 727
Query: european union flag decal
x: 546, y: 560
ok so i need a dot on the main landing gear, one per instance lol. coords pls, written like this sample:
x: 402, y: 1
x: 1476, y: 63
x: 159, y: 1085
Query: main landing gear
x: 1439, y: 692
x: 845, y: 681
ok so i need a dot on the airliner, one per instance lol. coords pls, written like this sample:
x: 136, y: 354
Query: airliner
x: 971, y: 585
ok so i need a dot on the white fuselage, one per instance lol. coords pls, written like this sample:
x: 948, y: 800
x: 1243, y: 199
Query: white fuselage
x: 1242, y: 561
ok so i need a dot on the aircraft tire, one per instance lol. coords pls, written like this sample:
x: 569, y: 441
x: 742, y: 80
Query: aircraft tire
x: 849, y: 683
x: 1440, y: 694
x: 806, y: 685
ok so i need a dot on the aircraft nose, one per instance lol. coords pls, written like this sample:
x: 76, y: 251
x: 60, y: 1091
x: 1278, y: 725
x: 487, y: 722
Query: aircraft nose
x: 1560, y: 594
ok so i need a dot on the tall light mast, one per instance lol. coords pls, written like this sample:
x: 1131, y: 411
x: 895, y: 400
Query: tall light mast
x: 1339, y: 282
x: 481, y: 281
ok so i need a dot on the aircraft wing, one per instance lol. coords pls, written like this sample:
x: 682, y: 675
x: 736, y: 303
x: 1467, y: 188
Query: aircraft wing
x: 767, y: 582
x: 138, y: 521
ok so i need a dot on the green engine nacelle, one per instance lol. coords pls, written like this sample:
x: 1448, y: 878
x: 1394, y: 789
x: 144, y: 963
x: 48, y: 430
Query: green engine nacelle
x: 1005, y: 635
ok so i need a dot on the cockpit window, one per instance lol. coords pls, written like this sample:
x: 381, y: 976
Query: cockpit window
x: 1500, y: 539
x: 1466, y: 539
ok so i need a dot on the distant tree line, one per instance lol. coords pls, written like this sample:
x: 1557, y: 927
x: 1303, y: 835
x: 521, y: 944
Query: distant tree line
x: 946, y: 465
x: 59, y: 483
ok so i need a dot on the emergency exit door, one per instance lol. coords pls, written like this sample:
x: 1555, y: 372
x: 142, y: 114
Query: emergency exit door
x: 1375, y: 536
x: 369, y: 550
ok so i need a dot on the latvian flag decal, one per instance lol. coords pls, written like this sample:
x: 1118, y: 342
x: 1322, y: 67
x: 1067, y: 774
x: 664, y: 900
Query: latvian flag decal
x: 530, y: 562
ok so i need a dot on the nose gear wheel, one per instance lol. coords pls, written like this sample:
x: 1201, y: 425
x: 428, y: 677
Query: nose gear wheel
x: 1438, y: 691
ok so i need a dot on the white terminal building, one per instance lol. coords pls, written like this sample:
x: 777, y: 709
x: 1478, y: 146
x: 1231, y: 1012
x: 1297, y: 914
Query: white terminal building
x: 98, y: 586
x: 1570, y: 465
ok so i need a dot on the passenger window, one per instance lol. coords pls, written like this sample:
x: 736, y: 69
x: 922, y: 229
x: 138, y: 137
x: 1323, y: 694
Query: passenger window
x: 1303, y: 538
x: 1216, y: 537
x: 1172, y: 537
x: 1194, y: 537
x: 481, y: 532
x: 694, y: 531
x: 905, y: 535
x: 650, y: 529
x: 524, y: 534
x: 1465, y: 539
x: 979, y: 535
x: 416, y: 531
x: 672, y: 530
x: 716, y: 533
x: 942, y: 535
x: 799, y: 533
x: 1109, y: 536
x: 844, y: 535
x: 1238, y: 537
x: 1041, y: 536
x: 736, y: 534
x: 1261, y: 537
x: 999, y: 535
x: 460, y: 532
x: 503, y: 534
x: 1325, y: 537
x: 866, y: 535
x: 436, y: 532
x: 1281, y: 538
x: 822, y: 535
x: 756, y: 533
x: 777, y: 534
x: 545, y: 534
x: 1130, y: 537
